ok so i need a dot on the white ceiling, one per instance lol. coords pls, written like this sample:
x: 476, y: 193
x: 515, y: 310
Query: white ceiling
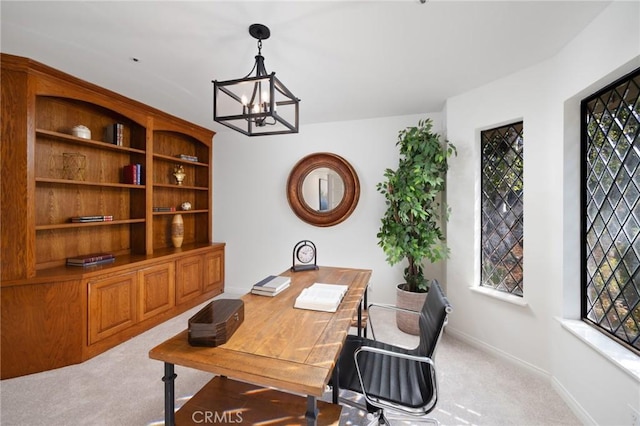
x: 344, y: 59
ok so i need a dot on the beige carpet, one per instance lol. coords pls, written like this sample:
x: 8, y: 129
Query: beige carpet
x: 123, y: 387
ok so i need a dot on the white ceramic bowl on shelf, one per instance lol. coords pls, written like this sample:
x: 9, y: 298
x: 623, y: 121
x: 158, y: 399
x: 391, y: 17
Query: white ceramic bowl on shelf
x: 81, y: 131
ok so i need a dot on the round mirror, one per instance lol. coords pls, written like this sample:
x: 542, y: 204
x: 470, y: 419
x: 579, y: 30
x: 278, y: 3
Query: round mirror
x: 323, y: 189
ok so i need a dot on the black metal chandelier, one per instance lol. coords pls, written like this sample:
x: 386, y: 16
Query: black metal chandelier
x: 256, y: 105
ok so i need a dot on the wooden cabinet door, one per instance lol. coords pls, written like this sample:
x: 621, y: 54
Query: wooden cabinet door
x: 112, y: 305
x: 214, y: 272
x: 188, y: 278
x: 156, y: 290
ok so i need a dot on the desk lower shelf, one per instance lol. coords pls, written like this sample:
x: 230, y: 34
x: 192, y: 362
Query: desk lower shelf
x: 227, y: 401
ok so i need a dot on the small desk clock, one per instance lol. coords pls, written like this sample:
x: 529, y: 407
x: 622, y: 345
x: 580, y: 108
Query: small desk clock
x: 304, y: 256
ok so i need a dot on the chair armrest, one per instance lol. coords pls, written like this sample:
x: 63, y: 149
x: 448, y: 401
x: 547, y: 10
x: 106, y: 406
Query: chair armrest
x: 392, y: 307
x: 388, y: 307
x: 387, y: 352
x: 386, y: 404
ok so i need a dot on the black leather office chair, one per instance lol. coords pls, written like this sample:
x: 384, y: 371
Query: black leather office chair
x: 392, y: 377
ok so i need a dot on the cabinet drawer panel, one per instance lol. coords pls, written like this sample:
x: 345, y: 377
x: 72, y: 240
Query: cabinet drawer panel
x: 188, y: 278
x: 156, y: 290
x: 214, y: 271
x: 112, y: 306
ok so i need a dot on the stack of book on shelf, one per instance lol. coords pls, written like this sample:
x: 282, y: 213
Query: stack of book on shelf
x: 271, y: 286
x: 132, y: 174
x: 96, y: 218
x: 114, y: 133
x: 321, y: 297
x: 91, y: 259
x: 188, y: 157
x: 164, y: 209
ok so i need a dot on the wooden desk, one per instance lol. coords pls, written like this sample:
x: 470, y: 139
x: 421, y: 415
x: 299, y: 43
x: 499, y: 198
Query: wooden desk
x: 277, y: 345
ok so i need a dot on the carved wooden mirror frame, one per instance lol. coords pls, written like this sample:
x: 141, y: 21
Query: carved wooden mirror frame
x: 351, y: 189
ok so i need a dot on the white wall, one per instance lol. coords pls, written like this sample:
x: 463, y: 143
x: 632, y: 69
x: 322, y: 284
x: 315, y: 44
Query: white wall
x: 253, y: 217
x: 546, y: 97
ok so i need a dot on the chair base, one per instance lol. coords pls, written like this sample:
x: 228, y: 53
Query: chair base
x: 376, y: 419
x: 414, y: 420
x: 379, y: 418
x: 376, y: 416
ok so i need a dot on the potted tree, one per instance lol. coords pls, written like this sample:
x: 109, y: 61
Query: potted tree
x: 412, y: 226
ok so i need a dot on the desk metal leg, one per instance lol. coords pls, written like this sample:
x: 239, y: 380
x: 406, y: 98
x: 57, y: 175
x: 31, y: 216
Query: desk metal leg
x: 169, y: 395
x: 312, y: 411
x: 360, y: 328
x: 335, y: 389
x: 366, y: 304
x: 360, y: 320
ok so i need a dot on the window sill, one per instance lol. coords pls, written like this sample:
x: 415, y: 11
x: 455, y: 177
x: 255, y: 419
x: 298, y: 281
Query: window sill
x: 620, y: 356
x: 495, y: 294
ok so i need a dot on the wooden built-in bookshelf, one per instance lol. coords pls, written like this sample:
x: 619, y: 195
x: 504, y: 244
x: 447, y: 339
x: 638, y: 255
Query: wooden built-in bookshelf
x: 52, y: 314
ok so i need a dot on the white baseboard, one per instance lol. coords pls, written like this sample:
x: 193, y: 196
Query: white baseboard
x: 577, y: 409
x: 236, y: 292
x: 571, y: 402
x: 498, y: 352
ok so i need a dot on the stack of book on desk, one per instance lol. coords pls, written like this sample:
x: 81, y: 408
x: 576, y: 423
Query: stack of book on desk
x: 91, y: 259
x: 321, y: 297
x: 271, y: 286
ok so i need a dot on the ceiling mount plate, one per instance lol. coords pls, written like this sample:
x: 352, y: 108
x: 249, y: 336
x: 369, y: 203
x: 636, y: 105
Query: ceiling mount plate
x: 259, y: 31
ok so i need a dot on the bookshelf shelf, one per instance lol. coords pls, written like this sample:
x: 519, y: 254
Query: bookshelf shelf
x: 86, y: 142
x: 88, y: 224
x: 177, y: 160
x: 181, y: 212
x: 85, y: 183
x: 180, y: 187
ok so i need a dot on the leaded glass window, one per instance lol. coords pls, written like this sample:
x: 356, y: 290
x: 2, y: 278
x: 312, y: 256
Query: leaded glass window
x: 611, y: 211
x: 502, y: 208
